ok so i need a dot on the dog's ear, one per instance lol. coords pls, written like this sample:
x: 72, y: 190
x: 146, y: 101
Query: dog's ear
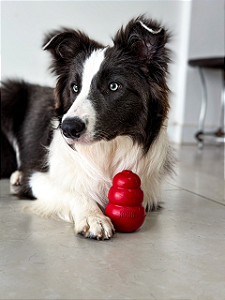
x: 143, y: 38
x: 65, y: 44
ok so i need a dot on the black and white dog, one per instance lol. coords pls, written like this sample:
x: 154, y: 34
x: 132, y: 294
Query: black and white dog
x: 108, y: 112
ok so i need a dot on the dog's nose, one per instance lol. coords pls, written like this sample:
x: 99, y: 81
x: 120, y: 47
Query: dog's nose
x: 73, y: 127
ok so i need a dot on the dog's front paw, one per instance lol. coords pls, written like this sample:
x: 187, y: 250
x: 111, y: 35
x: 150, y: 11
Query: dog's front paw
x: 15, y: 181
x: 16, y: 178
x: 95, y: 226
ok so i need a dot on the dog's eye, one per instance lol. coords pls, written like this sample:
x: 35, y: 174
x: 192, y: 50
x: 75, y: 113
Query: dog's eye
x: 75, y: 88
x: 113, y: 86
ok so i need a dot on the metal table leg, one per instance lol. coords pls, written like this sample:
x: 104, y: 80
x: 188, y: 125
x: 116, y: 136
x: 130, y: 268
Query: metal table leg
x: 203, y: 110
x: 222, y: 103
x: 215, y: 136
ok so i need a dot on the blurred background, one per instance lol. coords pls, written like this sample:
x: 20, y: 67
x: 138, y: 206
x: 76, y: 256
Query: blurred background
x: 197, y: 28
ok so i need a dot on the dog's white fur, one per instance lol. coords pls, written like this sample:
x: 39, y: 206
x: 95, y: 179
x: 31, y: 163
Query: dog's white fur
x: 79, y: 179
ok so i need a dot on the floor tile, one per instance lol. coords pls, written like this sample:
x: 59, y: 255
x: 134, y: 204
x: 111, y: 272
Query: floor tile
x: 177, y: 254
x: 201, y: 172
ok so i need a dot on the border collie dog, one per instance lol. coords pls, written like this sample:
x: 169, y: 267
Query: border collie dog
x: 108, y: 112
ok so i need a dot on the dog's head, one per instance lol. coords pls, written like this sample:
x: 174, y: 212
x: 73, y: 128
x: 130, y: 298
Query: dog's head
x: 103, y: 92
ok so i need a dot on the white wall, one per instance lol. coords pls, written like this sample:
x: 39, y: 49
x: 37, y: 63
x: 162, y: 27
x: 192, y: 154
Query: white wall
x: 206, y: 40
x: 24, y: 22
x: 179, y: 72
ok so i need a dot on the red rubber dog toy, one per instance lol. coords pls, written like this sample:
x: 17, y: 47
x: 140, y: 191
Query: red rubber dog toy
x: 125, y: 207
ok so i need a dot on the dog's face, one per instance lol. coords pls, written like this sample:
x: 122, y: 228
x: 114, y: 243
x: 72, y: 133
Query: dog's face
x: 103, y: 92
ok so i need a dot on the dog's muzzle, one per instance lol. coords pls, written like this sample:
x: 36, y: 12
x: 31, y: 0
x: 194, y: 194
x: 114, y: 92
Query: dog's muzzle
x: 73, y: 128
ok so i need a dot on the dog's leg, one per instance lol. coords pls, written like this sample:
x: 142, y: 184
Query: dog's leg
x: 88, y: 218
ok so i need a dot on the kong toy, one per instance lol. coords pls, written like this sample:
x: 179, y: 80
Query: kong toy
x: 125, y: 207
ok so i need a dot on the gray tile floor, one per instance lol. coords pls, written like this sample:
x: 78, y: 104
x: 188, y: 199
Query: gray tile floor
x: 179, y: 252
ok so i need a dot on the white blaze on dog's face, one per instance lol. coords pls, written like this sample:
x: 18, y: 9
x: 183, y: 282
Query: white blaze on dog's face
x: 82, y: 108
x: 105, y: 92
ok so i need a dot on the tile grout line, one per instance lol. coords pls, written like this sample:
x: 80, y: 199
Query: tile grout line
x: 199, y: 195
